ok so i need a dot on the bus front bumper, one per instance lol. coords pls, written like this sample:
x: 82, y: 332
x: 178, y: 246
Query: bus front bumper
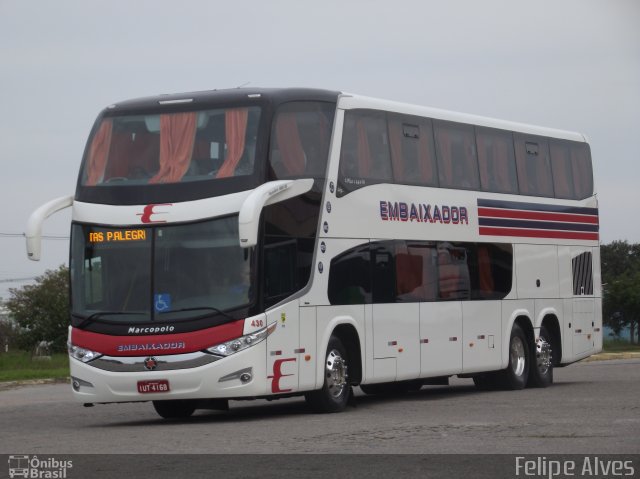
x: 187, y: 376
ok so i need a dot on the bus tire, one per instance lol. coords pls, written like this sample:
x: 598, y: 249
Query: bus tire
x: 175, y: 409
x: 516, y: 374
x: 541, y: 374
x: 485, y: 381
x: 336, y: 390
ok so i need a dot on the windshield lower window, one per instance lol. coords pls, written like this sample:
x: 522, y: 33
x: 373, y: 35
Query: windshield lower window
x: 168, y: 272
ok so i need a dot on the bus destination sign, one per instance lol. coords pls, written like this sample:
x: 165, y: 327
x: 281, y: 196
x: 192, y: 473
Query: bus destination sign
x: 117, y: 235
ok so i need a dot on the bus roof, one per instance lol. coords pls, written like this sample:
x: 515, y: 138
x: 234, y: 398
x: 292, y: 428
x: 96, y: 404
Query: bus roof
x: 350, y: 101
x: 203, y: 99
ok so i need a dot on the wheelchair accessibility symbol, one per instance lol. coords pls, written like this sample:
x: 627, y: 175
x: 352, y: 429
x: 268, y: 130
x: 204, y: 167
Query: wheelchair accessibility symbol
x: 162, y: 302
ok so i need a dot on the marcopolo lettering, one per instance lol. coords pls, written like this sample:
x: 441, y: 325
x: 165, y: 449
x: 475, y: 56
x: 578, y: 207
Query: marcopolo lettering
x: 152, y: 329
x: 423, y: 213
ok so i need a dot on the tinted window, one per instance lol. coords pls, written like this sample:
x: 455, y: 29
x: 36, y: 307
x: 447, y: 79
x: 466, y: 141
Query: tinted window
x: 456, y: 152
x: 581, y: 170
x: 300, y: 140
x: 420, y: 271
x: 364, y: 157
x: 534, y: 168
x: 561, y: 167
x: 350, y: 277
x: 496, y: 160
x: 289, y: 236
x: 412, y: 150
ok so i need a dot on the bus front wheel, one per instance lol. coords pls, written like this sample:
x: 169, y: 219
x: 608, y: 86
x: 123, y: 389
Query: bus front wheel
x: 335, y: 392
x: 175, y: 409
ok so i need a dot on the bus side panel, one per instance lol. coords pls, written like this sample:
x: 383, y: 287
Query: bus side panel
x: 440, y: 338
x: 537, y: 271
x: 395, y: 329
x: 307, y: 354
x: 482, y: 336
x: 282, y: 358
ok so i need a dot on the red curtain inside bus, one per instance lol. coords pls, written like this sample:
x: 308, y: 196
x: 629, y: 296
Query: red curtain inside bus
x: 98, y: 153
x: 177, y: 135
x: 288, y: 137
x: 235, y: 122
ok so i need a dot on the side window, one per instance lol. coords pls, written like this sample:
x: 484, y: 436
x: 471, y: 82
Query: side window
x: 412, y: 150
x: 453, y: 277
x: 496, y: 161
x: 490, y: 269
x: 384, y: 271
x: 364, y: 157
x: 582, y: 170
x: 561, y: 168
x: 300, y: 140
x: 417, y: 272
x: 350, y: 277
x: 534, y: 168
x: 289, y: 236
x: 456, y: 153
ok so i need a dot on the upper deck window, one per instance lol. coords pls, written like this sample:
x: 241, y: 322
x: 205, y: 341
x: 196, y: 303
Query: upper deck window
x: 300, y: 139
x: 172, y: 147
x: 456, y: 152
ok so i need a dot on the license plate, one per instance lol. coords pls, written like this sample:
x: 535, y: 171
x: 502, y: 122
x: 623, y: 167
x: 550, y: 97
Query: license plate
x: 157, y: 386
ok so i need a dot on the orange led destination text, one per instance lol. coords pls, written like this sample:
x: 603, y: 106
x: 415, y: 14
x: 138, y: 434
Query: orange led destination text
x: 118, y: 235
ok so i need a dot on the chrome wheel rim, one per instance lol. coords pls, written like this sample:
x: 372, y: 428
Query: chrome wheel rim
x: 518, y: 357
x: 336, y: 373
x: 543, y: 356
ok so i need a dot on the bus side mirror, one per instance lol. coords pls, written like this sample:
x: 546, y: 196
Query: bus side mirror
x: 266, y: 194
x: 34, y: 225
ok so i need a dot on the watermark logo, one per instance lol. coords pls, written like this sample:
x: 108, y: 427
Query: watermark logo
x: 37, y: 468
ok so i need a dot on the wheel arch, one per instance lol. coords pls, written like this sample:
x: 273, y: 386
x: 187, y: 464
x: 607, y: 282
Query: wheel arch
x: 347, y: 330
x: 522, y: 318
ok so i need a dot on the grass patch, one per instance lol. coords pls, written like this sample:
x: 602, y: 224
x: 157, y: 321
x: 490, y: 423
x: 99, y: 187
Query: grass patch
x: 619, y: 346
x: 19, y: 365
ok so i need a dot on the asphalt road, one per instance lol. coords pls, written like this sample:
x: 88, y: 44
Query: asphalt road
x: 593, y: 408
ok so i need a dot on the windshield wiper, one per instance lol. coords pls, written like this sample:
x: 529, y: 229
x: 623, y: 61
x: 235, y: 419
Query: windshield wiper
x: 198, y: 308
x: 92, y: 317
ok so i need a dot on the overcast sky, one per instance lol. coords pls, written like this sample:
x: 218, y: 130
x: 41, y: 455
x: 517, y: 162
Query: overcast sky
x: 573, y: 65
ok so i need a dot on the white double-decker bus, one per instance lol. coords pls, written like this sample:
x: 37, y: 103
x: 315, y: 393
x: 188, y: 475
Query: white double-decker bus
x: 279, y: 242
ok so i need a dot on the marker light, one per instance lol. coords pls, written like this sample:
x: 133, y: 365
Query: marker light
x: 82, y: 354
x: 244, y: 342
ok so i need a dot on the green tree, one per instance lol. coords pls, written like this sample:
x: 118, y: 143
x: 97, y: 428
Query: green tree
x: 621, y: 280
x: 41, y: 310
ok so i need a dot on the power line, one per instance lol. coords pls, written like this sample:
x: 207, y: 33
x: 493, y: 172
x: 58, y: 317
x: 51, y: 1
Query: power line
x: 22, y: 235
x: 17, y: 280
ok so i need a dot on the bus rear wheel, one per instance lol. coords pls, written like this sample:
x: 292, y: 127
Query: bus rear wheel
x: 542, y: 361
x: 336, y: 390
x: 516, y: 374
x: 175, y: 409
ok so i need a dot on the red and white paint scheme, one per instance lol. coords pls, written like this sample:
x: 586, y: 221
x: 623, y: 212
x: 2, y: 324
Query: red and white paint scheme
x: 277, y: 242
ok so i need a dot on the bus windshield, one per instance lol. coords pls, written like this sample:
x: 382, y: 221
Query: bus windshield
x: 172, y: 273
x: 172, y: 147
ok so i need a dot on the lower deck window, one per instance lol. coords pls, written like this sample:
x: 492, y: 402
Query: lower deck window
x: 419, y: 271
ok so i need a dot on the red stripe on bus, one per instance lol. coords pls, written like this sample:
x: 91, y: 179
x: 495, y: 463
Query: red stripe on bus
x: 537, y: 215
x: 157, y: 344
x: 532, y: 233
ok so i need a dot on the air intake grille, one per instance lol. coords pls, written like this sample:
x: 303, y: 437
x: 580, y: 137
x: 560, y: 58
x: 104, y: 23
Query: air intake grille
x: 582, y: 274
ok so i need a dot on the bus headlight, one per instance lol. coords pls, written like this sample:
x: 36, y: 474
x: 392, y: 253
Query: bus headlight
x: 243, y: 342
x: 82, y: 354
